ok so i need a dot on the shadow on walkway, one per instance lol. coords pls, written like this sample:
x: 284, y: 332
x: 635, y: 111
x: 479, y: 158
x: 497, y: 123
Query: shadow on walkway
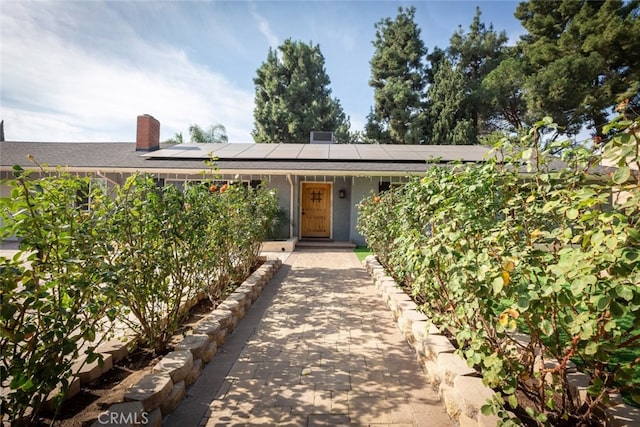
x: 319, y: 347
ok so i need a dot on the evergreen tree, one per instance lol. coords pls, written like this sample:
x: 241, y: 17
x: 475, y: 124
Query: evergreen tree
x: 502, y: 88
x: 460, y: 107
x: 293, y: 97
x: 449, y: 121
x: 374, y: 132
x: 398, y: 79
x: 581, y: 57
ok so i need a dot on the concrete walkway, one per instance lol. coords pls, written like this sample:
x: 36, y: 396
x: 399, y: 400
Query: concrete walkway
x: 318, y: 348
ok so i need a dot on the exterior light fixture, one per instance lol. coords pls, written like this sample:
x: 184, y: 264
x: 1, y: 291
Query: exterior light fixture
x: 342, y: 194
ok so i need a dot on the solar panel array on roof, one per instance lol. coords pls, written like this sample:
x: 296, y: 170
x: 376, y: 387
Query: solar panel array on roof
x: 342, y: 152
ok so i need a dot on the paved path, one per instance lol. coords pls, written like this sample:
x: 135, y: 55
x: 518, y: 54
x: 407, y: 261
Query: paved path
x: 318, y: 348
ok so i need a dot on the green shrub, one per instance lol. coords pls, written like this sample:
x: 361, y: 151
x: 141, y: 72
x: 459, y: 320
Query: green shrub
x: 171, y: 245
x: 56, y: 292
x: 519, y: 243
x: 86, y: 259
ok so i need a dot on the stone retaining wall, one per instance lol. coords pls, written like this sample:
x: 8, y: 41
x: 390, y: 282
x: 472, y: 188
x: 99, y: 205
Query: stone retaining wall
x: 460, y: 387
x: 158, y: 393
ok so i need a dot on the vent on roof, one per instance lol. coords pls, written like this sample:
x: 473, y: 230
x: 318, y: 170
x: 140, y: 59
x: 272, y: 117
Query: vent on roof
x: 321, y: 137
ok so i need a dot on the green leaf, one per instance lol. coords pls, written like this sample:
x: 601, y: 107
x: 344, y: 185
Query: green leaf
x: 617, y: 309
x: 587, y: 329
x: 597, y: 238
x: 27, y: 385
x: 631, y: 255
x: 577, y: 286
x: 603, y: 302
x: 523, y: 302
x: 497, y: 285
x: 546, y: 327
x: 486, y: 410
x: 513, y: 401
x: 621, y: 175
x: 625, y: 292
x: 551, y: 403
x: 591, y: 348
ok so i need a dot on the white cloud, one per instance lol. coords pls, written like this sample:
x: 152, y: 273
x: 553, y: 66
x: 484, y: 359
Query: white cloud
x: 54, y: 88
x: 264, y: 27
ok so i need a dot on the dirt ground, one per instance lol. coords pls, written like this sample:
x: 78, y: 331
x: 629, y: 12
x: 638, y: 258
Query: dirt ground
x: 84, y: 409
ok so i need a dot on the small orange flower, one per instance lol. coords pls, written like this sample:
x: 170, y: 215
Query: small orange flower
x: 377, y: 199
x: 503, y: 319
x: 506, y: 277
x: 213, y: 188
x: 224, y: 188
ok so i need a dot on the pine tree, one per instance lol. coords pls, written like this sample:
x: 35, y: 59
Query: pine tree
x: 449, y: 121
x: 502, y: 88
x: 398, y: 79
x: 475, y: 54
x: 582, y: 58
x: 460, y: 107
x: 293, y: 97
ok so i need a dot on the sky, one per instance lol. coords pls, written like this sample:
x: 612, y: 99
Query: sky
x: 84, y: 70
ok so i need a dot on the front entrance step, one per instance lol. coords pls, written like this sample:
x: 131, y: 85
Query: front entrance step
x: 323, y: 244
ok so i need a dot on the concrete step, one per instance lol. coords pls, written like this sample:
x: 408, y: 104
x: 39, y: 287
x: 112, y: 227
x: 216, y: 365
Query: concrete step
x: 324, y: 244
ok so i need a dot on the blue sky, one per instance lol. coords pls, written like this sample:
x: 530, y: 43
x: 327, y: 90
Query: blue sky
x: 83, y: 70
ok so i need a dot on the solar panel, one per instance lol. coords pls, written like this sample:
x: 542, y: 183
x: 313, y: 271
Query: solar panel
x: 372, y: 152
x: 343, y: 152
x: 285, y: 151
x: 256, y: 151
x: 314, y: 151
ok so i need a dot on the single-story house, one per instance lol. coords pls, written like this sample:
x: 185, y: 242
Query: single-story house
x: 318, y: 185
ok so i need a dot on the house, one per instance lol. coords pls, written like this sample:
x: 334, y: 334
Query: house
x: 318, y: 185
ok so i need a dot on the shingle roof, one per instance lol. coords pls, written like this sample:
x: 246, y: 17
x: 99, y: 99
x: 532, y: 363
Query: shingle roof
x: 282, y: 158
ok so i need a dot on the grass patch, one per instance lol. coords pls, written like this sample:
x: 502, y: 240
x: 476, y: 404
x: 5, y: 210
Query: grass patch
x: 362, y: 252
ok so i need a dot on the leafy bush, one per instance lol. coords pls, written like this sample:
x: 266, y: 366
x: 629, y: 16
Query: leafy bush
x: 56, y: 291
x: 86, y: 259
x: 526, y: 243
x: 172, y: 245
x: 151, y: 258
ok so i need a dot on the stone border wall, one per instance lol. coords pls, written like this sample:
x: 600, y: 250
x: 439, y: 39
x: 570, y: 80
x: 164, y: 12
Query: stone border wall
x: 160, y: 392
x: 460, y: 387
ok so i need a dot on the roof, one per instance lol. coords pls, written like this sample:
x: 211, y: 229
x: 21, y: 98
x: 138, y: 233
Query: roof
x: 298, y: 159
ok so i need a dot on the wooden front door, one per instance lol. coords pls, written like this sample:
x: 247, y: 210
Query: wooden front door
x: 316, y: 210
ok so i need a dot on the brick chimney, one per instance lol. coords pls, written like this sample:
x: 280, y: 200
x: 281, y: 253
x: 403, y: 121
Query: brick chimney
x: 148, y: 133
